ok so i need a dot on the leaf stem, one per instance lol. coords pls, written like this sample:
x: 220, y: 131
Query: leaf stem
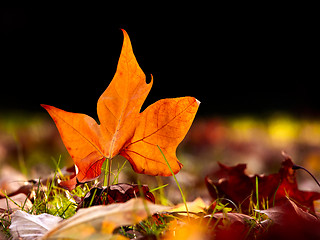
x: 175, y: 179
x: 295, y: 167
x: 107, y: 176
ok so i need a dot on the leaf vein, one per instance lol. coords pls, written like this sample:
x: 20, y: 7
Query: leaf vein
x: 88, y: 140
x: 158, y: 129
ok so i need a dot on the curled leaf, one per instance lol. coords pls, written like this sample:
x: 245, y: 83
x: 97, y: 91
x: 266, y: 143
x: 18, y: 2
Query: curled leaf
x: 102, y: 220
x: 27, y: 226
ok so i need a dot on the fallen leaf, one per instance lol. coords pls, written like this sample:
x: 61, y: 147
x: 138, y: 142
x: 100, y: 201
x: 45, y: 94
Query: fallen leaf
x: 196, y: 206
x: 118, y: 193
x: 179, y: 230
x: 103, y: 219
x: 123, y: 129
x: 16, y: 203
x: 218, y: 226
x: 26, y: 226
x: 291, y: 222
x: 237, y: 186
x: 11, y: 180
x: 233, y: 226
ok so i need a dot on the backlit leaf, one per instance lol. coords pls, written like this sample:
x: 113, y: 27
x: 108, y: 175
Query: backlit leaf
x: 123, y: 129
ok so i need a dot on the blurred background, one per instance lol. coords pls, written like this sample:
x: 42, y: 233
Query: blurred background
x: 255, y: 73
x: 232, y: 61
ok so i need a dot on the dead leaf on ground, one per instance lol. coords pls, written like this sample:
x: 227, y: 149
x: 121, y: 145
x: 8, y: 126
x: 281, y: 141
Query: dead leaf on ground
x: 102, y: 220
x: 27, y: 226
x: 218, y: 226
x: 289, y: 221
x: 233, y: 226
x: 236, y: 185
x: 179, y: 230
x: 118, y: 193
x: 11, y: 180
x: 196, y: 206
x: 16, y: 203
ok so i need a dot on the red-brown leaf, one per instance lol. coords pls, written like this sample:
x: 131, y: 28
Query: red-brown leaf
x: 237, y: 186
x: 291, y: 222
x: 117, y: 193
x: 233, y: 226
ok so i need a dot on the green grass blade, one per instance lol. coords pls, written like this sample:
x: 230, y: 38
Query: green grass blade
x: 143, y: 198
x: 275, y: 193
x: 92, y: 198
x: 105, y: 167
x: 257, y: 198
x: 257, y: 193
x: 57, y: 164
x: 9, y: 198
x: 158, y: 188
x: 175, y: 179
x: 116, y: 177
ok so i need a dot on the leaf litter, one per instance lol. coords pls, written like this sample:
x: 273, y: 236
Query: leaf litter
x: 242, y: 206
x: 240, y: 188
x: 28, y: 226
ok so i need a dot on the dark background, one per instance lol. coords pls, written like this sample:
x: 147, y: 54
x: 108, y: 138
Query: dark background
x: 252, y: 62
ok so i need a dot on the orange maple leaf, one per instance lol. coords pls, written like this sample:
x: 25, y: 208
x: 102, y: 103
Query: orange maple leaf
x: 123, y: 129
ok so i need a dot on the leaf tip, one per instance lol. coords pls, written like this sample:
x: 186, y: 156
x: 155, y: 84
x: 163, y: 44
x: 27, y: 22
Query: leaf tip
x: 197, y: 101
x: 125, y: 34
x: 45, y: 106
x: 124, y: 31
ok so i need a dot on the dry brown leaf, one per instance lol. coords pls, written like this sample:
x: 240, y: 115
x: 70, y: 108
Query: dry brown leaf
x: 27, y: 226
x: 16, y: 203
x: 196, y: 206
x: 102, y: 220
